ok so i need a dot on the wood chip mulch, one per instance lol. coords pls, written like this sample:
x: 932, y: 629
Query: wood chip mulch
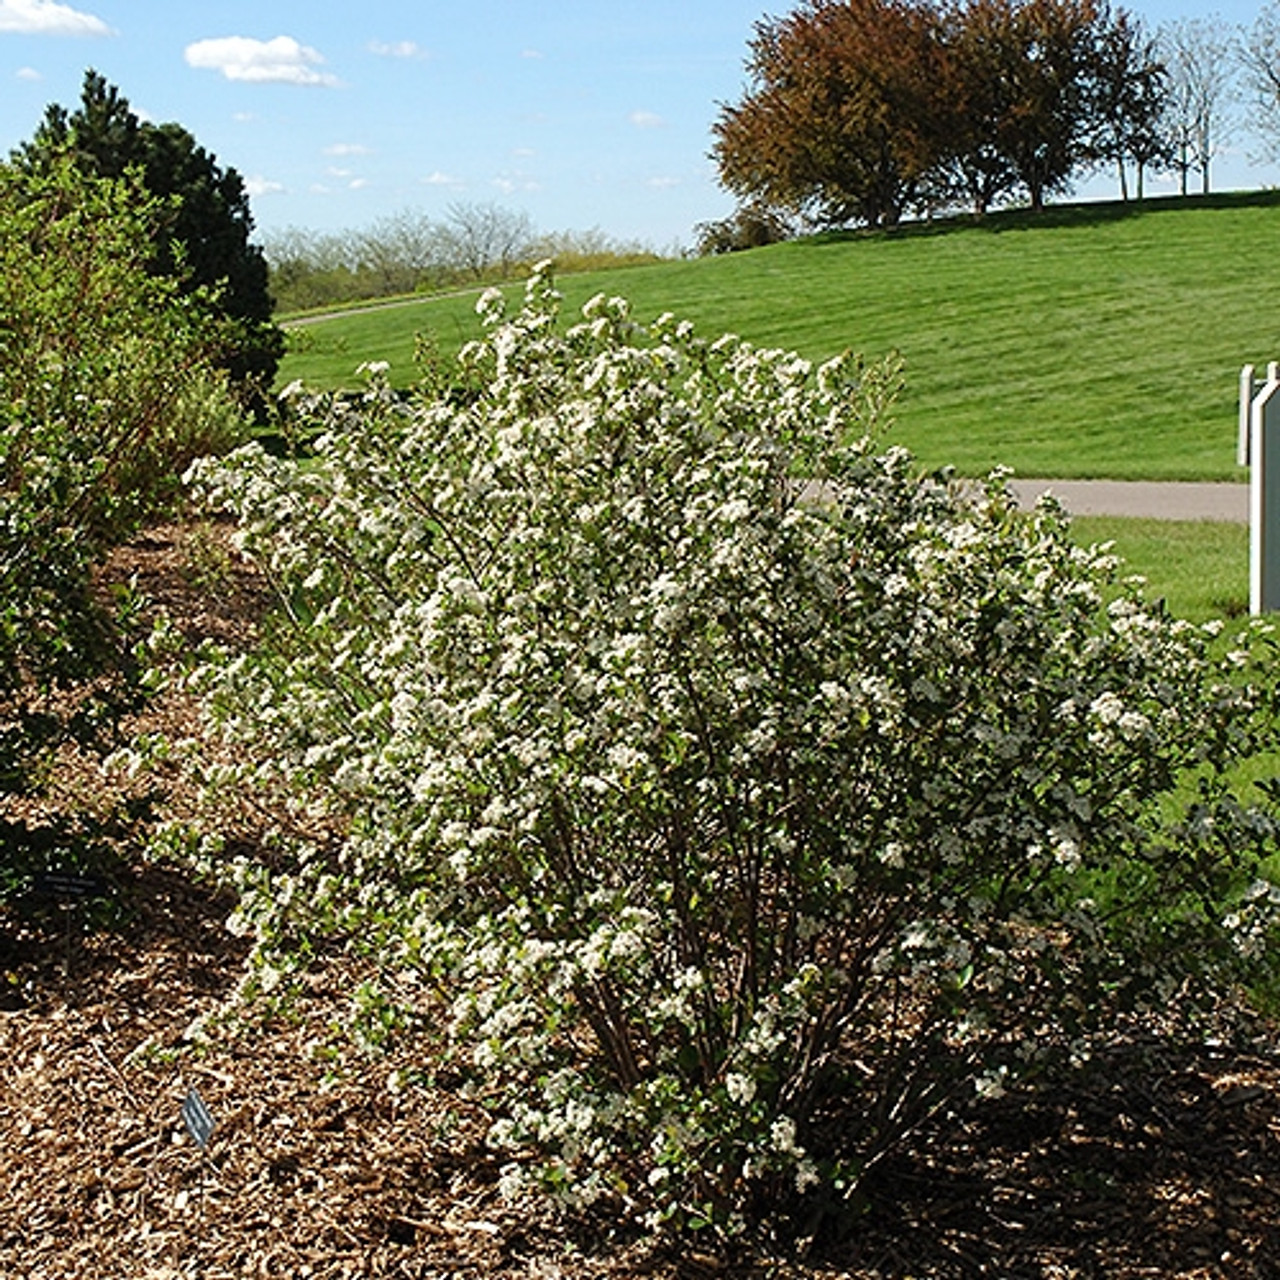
x: 1159, y: 1159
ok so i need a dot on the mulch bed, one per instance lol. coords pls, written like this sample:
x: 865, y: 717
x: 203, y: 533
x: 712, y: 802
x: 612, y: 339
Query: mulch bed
x: 1158, y: 1158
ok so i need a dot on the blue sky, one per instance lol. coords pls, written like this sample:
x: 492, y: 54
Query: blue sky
x: 581, y: 113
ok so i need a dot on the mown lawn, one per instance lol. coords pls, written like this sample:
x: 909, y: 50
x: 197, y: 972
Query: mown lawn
x: 1095, y: 341
x: 1199, y: 567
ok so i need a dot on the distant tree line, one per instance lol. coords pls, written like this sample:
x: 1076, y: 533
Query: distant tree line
x: 869, y: 111
x: 410, y: 252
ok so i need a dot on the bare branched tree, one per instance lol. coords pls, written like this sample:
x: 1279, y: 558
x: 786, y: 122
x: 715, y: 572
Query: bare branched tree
x: 1200, y: 62
x: 404, y: 251
x: 480, y: 237
x: 1259, y: 55
x: 1129, y: 93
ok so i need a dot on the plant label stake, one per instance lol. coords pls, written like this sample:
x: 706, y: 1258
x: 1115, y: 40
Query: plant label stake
x: 68, y: 891
x: 68, y: 887
x: 199, y: 1121
x: 198, y: 1118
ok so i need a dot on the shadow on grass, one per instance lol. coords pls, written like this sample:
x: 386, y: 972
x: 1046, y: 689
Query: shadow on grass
x: 1067, y: 215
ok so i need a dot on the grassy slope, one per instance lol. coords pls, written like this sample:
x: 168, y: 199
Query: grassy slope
x: 1094, y: 341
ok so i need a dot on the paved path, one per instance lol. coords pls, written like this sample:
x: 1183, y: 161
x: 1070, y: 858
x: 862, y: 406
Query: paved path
x: 1229, y: 502
x: 377, y: 304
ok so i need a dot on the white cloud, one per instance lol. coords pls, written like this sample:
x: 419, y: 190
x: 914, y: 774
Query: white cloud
x: 48, y: 18
x: 258, y: 186
x: 28, y: 73
x: 662, y: 184
x: 397, y: 49
x: 438, y: 179
x: 357, y: 184
x: 279, y: 61
x: 535, y: 55
x: 510, y: 186
x: 646, y: 120
x: 346, y: 149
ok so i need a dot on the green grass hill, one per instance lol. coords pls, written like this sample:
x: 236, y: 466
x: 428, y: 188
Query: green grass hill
x: 1098, y: 340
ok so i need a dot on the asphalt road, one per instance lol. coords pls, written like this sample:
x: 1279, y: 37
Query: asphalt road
x: 1159, y: 501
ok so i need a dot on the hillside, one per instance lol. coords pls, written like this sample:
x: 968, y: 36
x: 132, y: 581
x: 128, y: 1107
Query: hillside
x: 1096, y: 340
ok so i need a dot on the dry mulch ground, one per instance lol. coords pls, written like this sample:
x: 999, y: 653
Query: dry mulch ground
x: 1159, y: 1159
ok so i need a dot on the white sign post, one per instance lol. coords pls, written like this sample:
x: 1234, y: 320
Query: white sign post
x: 1248, y: 390
x: 1264, y: 497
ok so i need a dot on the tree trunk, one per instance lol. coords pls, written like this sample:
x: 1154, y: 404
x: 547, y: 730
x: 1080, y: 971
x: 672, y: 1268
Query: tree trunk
x: 1035, y: 190
x: 1124, y: 182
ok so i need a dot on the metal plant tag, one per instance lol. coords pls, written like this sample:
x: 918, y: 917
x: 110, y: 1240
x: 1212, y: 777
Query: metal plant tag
x: 199, y: 1119
x: 64, y: 885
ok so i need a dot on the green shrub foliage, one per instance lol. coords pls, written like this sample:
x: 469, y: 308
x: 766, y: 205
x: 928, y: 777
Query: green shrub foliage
x: 741, y: 794
x: 106, y: 394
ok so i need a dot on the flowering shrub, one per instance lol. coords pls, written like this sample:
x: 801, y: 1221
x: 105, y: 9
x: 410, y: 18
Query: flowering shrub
x: 743, y: 795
